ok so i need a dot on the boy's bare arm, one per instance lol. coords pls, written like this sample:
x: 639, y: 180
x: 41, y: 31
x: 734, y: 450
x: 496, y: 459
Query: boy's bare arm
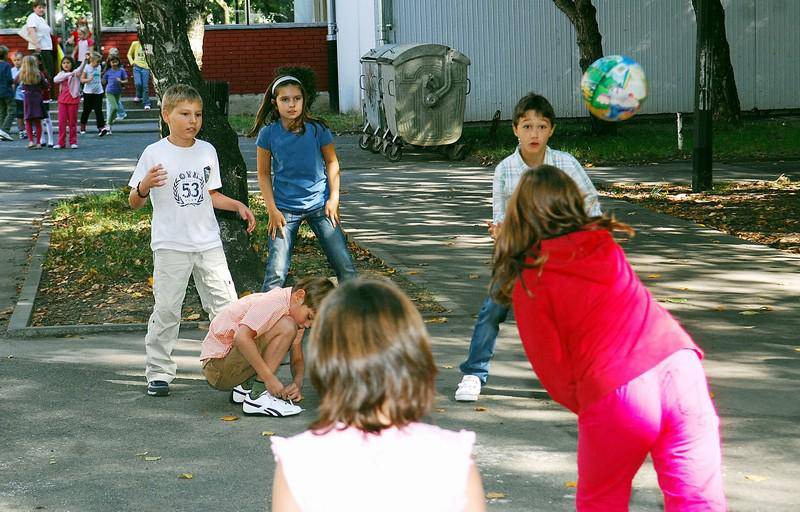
x: 245, y: 342
x: 155, y: 177
x: 222, y: 202
x: 298, y: 368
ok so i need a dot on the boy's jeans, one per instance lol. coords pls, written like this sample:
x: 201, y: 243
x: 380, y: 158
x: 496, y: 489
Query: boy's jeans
x: 141, y: 78
x: 331, y: 239
x: 171, y: 271
x: 6, y: 113
x: 484, y: 339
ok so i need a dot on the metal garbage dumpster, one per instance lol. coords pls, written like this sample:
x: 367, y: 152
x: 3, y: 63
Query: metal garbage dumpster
x: 371, y: 105
x: 422, y: 92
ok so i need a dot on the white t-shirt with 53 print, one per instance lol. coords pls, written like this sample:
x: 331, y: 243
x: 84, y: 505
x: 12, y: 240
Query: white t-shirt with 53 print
x: 183, y: 217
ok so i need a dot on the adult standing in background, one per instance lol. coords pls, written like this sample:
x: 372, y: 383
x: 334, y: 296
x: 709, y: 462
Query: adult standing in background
x: 141, y: 73
x: 39, y: 40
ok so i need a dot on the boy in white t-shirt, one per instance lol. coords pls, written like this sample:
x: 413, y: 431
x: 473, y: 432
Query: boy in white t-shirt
x: 180, y: 175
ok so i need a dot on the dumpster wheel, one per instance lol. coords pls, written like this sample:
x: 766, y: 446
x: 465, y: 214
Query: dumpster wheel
x: 365, y: 141
x: 393, y: 152
x: 375, y: 144
x: 456, y: 151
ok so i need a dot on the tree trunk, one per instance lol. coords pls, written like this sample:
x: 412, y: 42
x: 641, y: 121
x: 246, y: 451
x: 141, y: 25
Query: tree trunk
x: 583, y: 16
x: 196, y: 29
x: 724, y: 96
x: 163, y: 33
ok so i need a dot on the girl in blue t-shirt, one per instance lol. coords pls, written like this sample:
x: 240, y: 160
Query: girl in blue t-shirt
x: 298, y: 174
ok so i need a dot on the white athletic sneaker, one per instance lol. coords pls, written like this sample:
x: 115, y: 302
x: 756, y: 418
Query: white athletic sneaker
x: 268, y: 405
x: 468, y: 389
x: 5, y: 136
x: 238, y: 394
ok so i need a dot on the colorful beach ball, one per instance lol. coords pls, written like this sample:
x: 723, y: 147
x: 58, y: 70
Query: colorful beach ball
x: 614, y: 88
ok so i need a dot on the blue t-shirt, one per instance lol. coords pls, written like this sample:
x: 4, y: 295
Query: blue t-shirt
x: 111, y: 75
x: 299, y: 180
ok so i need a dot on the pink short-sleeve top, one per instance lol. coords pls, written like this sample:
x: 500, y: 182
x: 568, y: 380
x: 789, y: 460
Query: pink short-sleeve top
x: 258, y: 311
x: 418, y: 468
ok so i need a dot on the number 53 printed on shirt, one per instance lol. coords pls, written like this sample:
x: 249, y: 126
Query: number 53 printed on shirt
x: 189, y: 187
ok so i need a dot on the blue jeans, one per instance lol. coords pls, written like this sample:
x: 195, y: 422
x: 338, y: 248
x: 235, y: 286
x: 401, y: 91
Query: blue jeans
x: 484, y: 339
x: 141, y: 78
x: 331, y: 239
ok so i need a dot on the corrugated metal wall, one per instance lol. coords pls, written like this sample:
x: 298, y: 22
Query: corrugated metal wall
x: 520, y: 45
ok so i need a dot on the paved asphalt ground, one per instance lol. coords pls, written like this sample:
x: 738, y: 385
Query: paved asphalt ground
x: 75, y: 420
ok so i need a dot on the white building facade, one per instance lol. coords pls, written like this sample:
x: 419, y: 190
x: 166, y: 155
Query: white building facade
x: 518, y: 46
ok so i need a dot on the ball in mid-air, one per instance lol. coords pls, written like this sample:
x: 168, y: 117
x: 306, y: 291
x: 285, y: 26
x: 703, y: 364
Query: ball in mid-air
x: 614, y: 87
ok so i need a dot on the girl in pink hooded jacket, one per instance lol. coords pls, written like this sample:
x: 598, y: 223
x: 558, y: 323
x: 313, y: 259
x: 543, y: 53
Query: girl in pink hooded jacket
x: 68, y: 100
x: 605, y: 349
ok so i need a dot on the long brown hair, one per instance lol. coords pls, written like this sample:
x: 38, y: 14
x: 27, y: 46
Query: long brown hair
x: 546, y: 204
x: 268, y: 111
x: 370, y: 358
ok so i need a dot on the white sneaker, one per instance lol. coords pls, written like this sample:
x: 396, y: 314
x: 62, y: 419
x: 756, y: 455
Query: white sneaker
x: 74, y: 146
x: 57, y: 146
x: 5, y: 136
x: 468, y: 389
x: 238, y: 394
x: 268, y: 405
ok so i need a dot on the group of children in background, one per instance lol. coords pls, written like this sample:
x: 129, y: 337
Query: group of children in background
x: 599, y: 343
x: 26, y: 90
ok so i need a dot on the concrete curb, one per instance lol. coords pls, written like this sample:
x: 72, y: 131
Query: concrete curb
x: 24, y: 308
x: 18, y: 325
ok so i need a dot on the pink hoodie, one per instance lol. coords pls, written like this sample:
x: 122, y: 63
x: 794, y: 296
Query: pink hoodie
x: 589, y: 325
x: 71, y: 93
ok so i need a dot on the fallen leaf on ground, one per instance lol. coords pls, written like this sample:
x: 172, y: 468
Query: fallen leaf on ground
x: 150, y: 281
x: 755, y: 478
x: 229, y: 418
x: 245, y: 293
x: 473, y: 276
x: 412, y: 272
x: 480, y: 409
x: 186, y: 476
x: 653, y: 276
x: 495, y: 495
x: 267, y: 433
x: 440, y: 409
x: 195, y: 316
x: 675, y: 300
x: 436, y: 320
x: 570, y: 484
x: 748, y: 312
x: 152, y: 458
x: 447, y: 366
x: 720, y: 308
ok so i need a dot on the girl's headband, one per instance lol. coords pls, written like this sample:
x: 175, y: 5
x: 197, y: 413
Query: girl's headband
x: 281, y: 80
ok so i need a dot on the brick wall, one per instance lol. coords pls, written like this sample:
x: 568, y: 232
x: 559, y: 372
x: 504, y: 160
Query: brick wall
x: 246, y: 58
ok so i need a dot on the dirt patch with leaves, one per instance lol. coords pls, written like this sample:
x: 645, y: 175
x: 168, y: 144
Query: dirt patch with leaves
x: 98, y: 268
x: 764, y: 212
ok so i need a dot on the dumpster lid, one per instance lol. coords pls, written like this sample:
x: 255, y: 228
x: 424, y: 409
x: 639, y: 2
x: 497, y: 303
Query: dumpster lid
x: 376, y: 53
x: 401, y: 53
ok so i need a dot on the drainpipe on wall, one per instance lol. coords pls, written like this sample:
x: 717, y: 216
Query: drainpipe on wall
x: 384, y: 12
x: 333, y: 62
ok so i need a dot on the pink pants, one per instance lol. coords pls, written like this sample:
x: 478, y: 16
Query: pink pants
x: 34, y: 128
x: 67, y: 117
x: 666, y: 412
